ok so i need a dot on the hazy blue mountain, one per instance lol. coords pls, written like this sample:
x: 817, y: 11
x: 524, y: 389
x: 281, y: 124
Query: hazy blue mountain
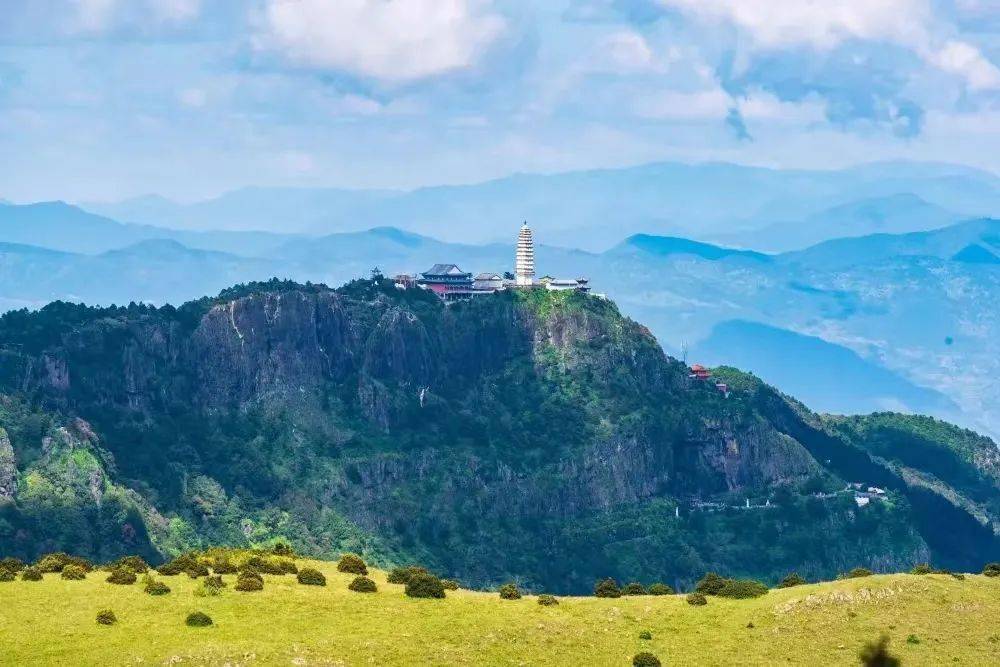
x: 663, y: 246
x: 61, y: 226
x: 595, y: 209
x: 809, y: 365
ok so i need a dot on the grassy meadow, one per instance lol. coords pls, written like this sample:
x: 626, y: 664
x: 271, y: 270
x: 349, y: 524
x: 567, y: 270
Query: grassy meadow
x: 52, y: 622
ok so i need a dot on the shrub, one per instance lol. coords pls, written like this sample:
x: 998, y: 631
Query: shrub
x: 287, y: 566
x: 122, y: 576
x: 106, y: 617
x: 422, y: 585
x: 198, y: 619
x: 958, y: 575
x: 180, y: 564
x: 249, y: 582
x: 154, y: 587
x: 633, y: 588
x: 134, y: 563
x: 402, y: 575
x: 74, y: 573
x: 660, y: 589
x: 282, y: 549
x: 922, y: 568
x: 310, y: 577
x: 913, y: 639
x: 992, y: 570
x: 697, y: 599
x: 56, y: 562
x: 509, y: 591
x: 646, y: 634
x: 223, y: 565
x: 547, y: 600
x: 352, y: 564
x: 205, y: 591
x: 214, y: 582
x: 790, y: 580
x: 264, y: 565
x: 363, y: 584
x: 449, y: 584
x: 196, y: 570
x: 742, y: 589
x: 876, y: 654
x: 15, y: 565
x: 607, y: 588
x: 858, y: 572
x: 31, y: 574
x: 710, y: 584
x: 645, y: 659
x: 7, y: 575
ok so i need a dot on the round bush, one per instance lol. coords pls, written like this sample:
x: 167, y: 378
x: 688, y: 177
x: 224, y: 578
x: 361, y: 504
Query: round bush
x: 106, y: 617
x: 645, y: 659
x: 224, y: 566
x: 214, y: 582
x: 56, y: 562
x: 362, y: 584
x: 547, y: 600
x: 122, y: 576
x: 264, y: 565
x: 449, y: 584
x: 196, y: 570
x: 922, y: 568
x: 31, y: 574
x: 742, y: 589
x: 352, y: 564
x: 710, y: 584
x: 198, y: 619
x: 287, y: 566
x: 7, y: 575
x: 607, y: 588
x: 646, y: 634
x: 310, y: 577
x: 178, y: 565
x: 633, y: 588
x: 660, y: 589
x: 992, y: 570
x: 402, y: 575
x: 697, y: 599
x: 509, y: 591
x: 423, y: 585
x: 15, y: 565
x: 790, y: 580
x: 157, y: 588
x: 73, y: 573
x: 248, y: 583
x: 858, y: 572
x: 134, y: 563
x: 283, y: 549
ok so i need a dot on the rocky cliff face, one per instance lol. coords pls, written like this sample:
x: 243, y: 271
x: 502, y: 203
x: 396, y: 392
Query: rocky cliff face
x: 525, y: 434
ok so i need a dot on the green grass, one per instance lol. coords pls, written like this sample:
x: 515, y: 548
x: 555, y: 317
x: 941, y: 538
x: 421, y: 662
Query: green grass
x: 53, y: 623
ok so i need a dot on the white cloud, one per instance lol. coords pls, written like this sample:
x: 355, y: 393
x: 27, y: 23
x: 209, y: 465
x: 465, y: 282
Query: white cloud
x: 175, y: 11
x: 627, y: 51
x: 100, y: 15
x: 759, y: 105
x: 967, y: 61
x: 194, y: 98
x: 708, y: 104
x: 391, y: 40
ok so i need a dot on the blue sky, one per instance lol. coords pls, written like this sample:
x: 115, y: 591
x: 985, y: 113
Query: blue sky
x: 105, y: 99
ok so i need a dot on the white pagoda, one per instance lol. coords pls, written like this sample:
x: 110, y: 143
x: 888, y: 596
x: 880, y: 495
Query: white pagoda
x: 524, y: 261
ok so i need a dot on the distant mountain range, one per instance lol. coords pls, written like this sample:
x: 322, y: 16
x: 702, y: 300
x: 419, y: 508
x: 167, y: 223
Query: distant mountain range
x: 765, y: 209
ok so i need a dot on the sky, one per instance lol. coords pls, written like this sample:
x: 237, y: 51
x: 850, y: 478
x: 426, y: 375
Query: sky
x: 107, y: 99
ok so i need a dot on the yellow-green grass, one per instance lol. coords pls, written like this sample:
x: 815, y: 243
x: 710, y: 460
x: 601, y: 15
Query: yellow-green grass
x: 52, y: 622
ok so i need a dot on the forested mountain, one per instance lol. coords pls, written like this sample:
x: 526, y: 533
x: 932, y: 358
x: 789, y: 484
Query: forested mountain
x: 530, y: 435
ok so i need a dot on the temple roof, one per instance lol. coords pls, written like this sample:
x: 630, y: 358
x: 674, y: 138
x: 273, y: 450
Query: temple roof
x: 445, y: 270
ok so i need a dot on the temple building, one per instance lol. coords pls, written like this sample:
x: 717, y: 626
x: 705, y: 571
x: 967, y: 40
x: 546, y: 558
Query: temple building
x: 447, y: 281
x: 524, y: 259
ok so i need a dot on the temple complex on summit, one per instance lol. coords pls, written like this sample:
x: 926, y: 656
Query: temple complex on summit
x: 451, y: 283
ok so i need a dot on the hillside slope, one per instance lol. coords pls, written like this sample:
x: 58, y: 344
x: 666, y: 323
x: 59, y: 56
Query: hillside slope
x: 287, y: 623
x: 529, y: 434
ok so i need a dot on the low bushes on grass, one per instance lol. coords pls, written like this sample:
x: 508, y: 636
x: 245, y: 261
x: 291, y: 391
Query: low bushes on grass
x: 646, y: 634
x: 198, y: 619
x: 697, y: 599
x: 58, y: 561
x: 876, y: 654
x: 922, y: 568
x: 509, y: 591
x: 14, y: 565
x: 223, y: 565
x: 7, y: 575
x: 547, y: 600
x: 106, y: 617
x: 122, y: 576
x: 283, y: 549
x: 607, y: 588
x: 423, y: 585
x: 179, y: 565
x: 790, y: 580
x: 311, y: 577
x: 633, y: 588
x: 857, y: 573
x: 154, y: 587
x: 352, y: 564
x: 402, y: 575
x: 645, y: 659
x: 73, y: 573
x: 267, y: 565
x: 710, y: 584
x: 249, y: 582
x: 992, y: 570
x: 660, y: 589
x: 449, y: 584
x: 362, y: 584
x: 31, y: 574
x: 134, y: 563
x: 196, y: 570
x: 742, y: 589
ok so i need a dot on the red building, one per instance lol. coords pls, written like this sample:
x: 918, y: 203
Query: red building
x: 700, y: 372
x: 447, y: 281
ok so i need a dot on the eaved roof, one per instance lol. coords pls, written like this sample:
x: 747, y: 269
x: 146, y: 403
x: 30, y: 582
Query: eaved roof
x: 444, y: 270
x: 489, y: 276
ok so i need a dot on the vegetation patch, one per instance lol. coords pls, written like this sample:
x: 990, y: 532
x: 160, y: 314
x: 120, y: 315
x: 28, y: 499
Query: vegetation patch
x: 742, y: 589
x: 449, y: 584
x: 509, y: 591
x: 697, y: 599
x: 792, y: 579
x: 857, y: 573
x: 645, y: 659
x: 992, y: 570
x: 73, y: 573
x: 876, y: 654
x: 402, y: 575
x: 31, y: 574
x: 633, y: 588
x: 607, y: 588
x: 198, y: 619
x: 57, y: 562
x: 352, y: 564
x: 154, y: 587
x: 14, y: 565
x: 710, y: 584
x: 106, y: 617
x: 660, y: 589
x: 7, y: 575
x: 249, y: 582
x: 363, y: 584
x: 122, y: 576
x: 423, y: 585
x: 645, y: 635
x: 308, y: 576
x: 547, y: 600
x: 134, y: 563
